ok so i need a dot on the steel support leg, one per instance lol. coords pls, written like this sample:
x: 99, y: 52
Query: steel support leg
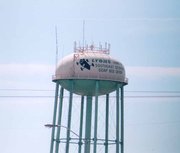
x: 117, y: 119
x: 54, y: 117
x: 122, y: 119
x: 59, y: 120
x: 107, y: 123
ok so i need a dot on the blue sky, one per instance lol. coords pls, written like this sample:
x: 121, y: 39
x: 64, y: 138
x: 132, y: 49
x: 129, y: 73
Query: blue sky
x: 144, y: 36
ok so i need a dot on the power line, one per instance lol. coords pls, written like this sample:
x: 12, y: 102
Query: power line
x: 9, y: 89
x: 177, y: 96
x: 154, y: 94
x: 26, y: 96
x: 150, y: 91
x: 130, y: 91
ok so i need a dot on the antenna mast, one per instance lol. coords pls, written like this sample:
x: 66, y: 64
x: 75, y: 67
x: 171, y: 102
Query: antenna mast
x: 56, y: 46
x: 83, y: 34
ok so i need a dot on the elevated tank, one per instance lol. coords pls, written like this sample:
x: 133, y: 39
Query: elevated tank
x: 89, y: 72
x: 85, y: 66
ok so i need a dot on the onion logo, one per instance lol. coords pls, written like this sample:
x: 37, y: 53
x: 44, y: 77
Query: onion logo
x: 84, y: 63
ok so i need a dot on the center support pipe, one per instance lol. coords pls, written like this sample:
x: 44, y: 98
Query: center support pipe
x: 88, y: 124
x: 69, y: 116
x: 81, y: 124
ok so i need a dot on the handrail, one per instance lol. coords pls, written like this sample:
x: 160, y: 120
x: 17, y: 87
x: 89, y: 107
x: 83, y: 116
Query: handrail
x: 89, y: 76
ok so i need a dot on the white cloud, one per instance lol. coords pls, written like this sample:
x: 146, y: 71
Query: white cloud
x: 26, y: 75
x: 41, y: 69
x: 33, y: 70
x: 153, y: 71
x: 40, y: 75
x: 25, y: 69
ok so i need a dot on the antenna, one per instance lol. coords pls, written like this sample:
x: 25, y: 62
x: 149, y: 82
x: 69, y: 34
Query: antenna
x: 83, y: 34
x: 56, y: 46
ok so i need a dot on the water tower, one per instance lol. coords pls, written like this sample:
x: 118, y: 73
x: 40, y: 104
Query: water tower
x: 89, y: 72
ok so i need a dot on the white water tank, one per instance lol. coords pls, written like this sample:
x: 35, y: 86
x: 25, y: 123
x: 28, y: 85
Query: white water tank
x: 86, y: 66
